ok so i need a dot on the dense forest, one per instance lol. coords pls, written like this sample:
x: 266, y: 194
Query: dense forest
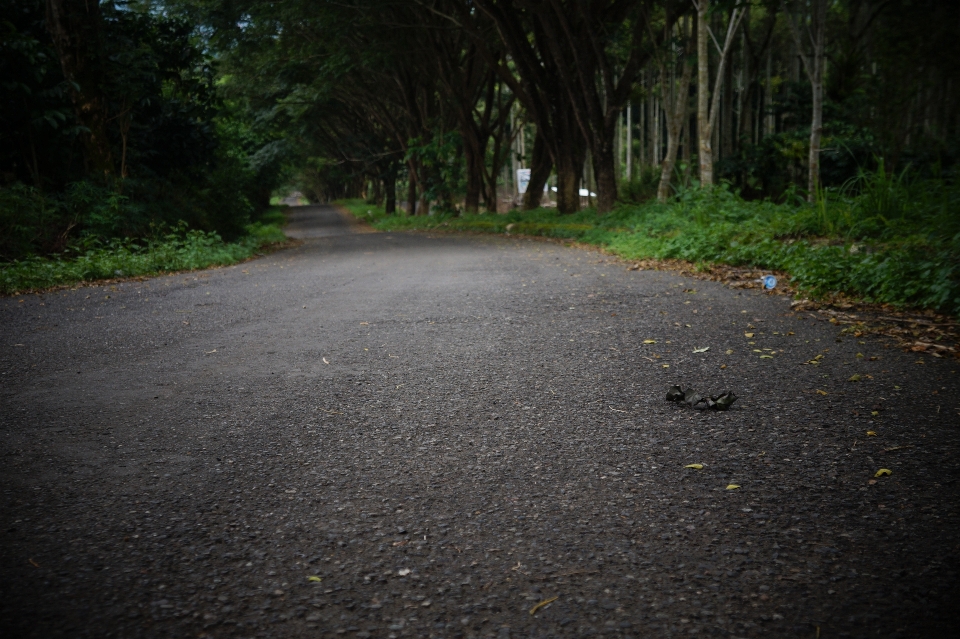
x: 129, y: 119
x: 449, y: 98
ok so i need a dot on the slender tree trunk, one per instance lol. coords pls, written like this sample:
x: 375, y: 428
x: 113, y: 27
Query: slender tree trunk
x: 74, y: 26
x: 675, y: 102
x: 411, y: 189
x: 708, y: 106
x: 813, y: 63
x: 705, y: 150
x: 726, y: 112
x: 629, y: 142
x: 390, y: 189
x: 539, y: 173
x: 674, y: 128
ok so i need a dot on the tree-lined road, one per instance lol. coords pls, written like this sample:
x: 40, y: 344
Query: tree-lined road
x: 386, y: 435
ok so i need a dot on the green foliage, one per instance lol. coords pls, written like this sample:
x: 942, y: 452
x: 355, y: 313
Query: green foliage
x: 642, y: 187
x: 440, y: 155
x: 177, y: 250
x: 888, y: 239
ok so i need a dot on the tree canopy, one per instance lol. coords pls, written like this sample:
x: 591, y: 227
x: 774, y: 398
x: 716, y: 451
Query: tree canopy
x: 199, y: 110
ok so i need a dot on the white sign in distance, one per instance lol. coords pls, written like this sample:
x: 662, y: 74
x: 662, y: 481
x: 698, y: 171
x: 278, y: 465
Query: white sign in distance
x: 523, y: 180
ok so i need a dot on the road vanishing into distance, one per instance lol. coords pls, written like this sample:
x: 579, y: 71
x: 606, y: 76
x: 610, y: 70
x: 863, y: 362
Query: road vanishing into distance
x: 434, y: 435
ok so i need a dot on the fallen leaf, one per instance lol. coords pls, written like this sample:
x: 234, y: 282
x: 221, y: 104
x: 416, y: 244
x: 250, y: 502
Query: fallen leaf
x: 729, y: 351
x: 854, y: 378
x: 403, y: 572
x: 882, y: 472
x: 694, y: 466
x: 701, y: 350
x: 766, y: 357
x: 649, y: 341
x: 822, y: 392
x: 871, y: 433
x: 875, y: 413
x: 722, y: 366
x: 314, y: 579
x: 209, y: 352
x: 666, y: 365
x: 860, y: 355
x: 543, y: 603
x: 325, y: 361
x: 733, y: 486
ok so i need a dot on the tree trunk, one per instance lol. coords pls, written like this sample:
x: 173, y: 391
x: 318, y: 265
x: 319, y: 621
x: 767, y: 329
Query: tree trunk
x: 726, y: 113
x: 813, y: 65
x: 539, y: 173
x: 411, y: 189
x: 816, y: 130
x: 568, y: 183
x: 629, y: 142
x: 74, y: 26
x: 473, y: 157
x: 708, y: 106
x: 675, y: 111
x: 703, y: 97
x: 390, y: 189
x: 605, y: 174
x: 674, y: 126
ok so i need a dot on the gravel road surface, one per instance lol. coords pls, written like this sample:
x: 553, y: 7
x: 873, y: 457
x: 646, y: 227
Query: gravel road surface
x: 415, y: 435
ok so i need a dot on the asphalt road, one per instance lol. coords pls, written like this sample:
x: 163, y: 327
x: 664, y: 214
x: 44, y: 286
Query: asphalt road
x: 406, y: 435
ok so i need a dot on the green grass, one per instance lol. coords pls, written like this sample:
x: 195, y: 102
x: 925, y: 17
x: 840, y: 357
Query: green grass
x: 181, y: 250
x: 907, y: 255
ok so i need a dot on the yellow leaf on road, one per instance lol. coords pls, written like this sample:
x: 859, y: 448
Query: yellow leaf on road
x: 733, y: 486
x: 748, y: 334
x: 314, y: 579
x: 882, y: 472
x: 822, y: 392
x: 649, y: 341
x: 694, y: 466
x: 871, y: 433
x: 543, y: 603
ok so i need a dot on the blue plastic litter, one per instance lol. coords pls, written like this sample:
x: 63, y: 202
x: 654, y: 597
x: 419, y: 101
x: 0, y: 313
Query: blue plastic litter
x: 769, y: 282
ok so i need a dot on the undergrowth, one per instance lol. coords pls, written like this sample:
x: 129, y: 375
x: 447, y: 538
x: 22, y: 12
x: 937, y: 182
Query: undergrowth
x: 179, y: 249
x: 882, y: 238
